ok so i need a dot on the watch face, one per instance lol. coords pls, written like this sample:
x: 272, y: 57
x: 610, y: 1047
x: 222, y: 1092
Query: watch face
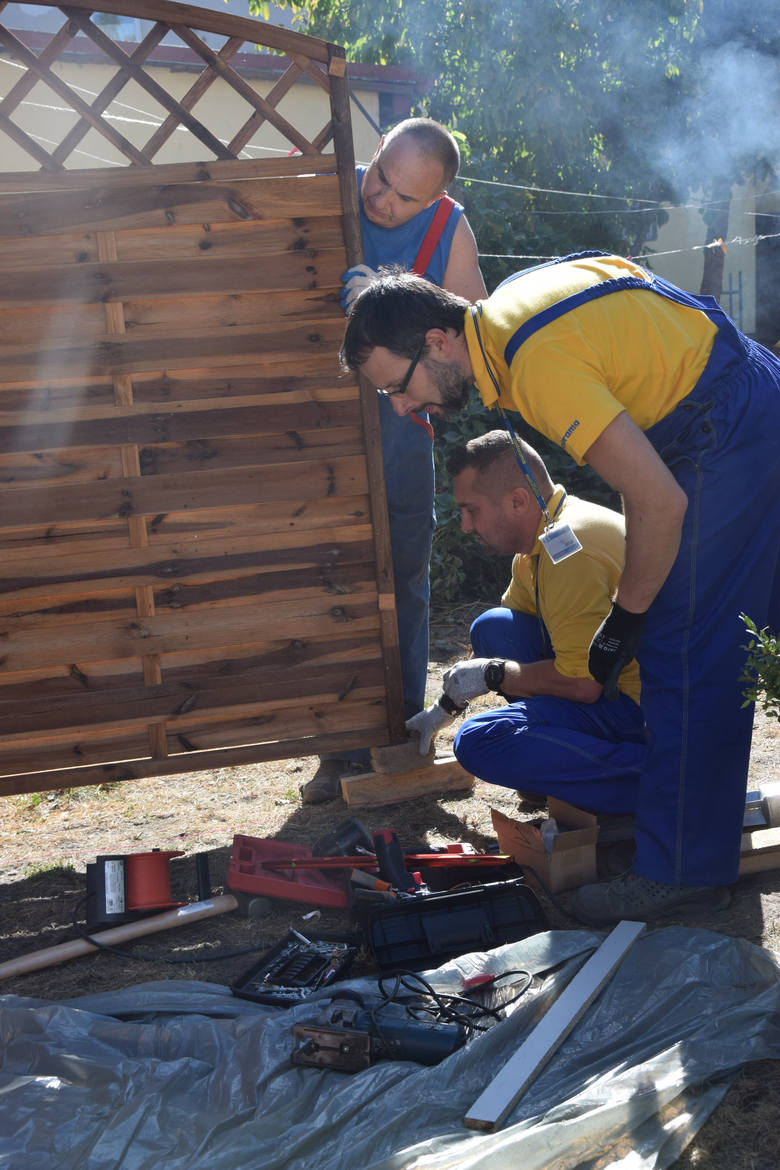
x: 494, y: 675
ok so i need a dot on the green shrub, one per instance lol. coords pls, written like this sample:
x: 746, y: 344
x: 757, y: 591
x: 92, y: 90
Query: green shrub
x: 761, y: 676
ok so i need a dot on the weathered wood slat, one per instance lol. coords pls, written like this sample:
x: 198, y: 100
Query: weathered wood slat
x: 185, y: 673
x: 83, y: 713
x: 84, y: 465
x: 123, y: 354
x: 31, y: 774
x: 339, y: 572
x: 126, y: 206
x: 119, y: 281
x: 296, y: 430
x: 97, y: 542
x: 161, y: 173
x: 76, y: 465
x: 153, y: 494
x: 56, y: 643
x: 253, y: 31
x: 301, y: 380
x: 43, y: 325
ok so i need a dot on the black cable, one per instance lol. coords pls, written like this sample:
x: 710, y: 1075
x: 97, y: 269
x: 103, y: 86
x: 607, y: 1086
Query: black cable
x: 445, y: 1009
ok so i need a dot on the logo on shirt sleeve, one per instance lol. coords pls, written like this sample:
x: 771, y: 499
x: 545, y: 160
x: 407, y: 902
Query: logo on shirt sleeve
x: 569, y: 433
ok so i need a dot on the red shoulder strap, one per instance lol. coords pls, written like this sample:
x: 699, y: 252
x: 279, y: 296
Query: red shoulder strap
x: 433, y: 235
x: 422, y: 260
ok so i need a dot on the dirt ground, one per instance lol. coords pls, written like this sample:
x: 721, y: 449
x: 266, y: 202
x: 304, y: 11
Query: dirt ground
x: 46, y: 841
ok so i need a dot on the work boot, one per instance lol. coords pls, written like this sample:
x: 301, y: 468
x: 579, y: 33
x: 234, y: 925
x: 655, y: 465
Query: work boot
x: 325, y: 784
x: 641, y: 899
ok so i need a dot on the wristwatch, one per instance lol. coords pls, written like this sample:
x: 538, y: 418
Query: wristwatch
x: 494, y: 674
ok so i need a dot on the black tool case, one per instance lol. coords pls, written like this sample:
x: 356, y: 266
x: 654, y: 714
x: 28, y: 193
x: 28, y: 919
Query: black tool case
x: 426, y: 930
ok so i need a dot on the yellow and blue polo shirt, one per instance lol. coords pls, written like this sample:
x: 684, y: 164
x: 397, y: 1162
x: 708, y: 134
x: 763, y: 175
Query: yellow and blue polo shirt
x: 570, y: 370
x: 573, y: 597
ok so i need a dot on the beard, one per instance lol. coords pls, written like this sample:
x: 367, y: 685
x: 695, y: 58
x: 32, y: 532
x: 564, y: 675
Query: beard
x: 453, y: 387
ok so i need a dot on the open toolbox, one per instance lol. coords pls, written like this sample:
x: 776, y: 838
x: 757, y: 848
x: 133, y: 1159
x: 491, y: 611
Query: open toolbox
x: 296, y: 966
x: 424, y: 932
x: 280, y: 869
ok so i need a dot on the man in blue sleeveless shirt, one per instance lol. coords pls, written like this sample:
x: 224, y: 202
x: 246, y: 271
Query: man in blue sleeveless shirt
x: 406, y: 219
x: 662, y: 395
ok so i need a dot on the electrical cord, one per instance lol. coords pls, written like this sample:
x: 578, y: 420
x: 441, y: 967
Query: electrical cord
x: 156, y: 958
x: 448, y: 1008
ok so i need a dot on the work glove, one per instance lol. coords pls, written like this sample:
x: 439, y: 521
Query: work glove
x: 466, y: 680
x: 614, y: 645
x: 428, y: 722
x: 354, y: 280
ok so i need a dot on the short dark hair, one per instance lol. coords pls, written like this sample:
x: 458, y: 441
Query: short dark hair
x: 432, y: 139
x: 497, y: 448
x: 396, y: 311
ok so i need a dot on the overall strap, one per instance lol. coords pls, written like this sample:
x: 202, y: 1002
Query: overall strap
x: 423, y: 259
x: 433, y: 235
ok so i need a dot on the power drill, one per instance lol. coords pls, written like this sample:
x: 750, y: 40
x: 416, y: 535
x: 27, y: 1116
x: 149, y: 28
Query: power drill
x: 349, y: 1036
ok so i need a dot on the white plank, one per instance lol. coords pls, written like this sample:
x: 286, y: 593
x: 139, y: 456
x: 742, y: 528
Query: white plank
x: 495, y: 1102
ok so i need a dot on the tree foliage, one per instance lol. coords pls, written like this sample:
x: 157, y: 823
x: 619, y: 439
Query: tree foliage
x: 631, y: 103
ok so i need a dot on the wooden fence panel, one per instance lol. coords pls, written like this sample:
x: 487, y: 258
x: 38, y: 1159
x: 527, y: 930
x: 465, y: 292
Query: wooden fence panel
x: 193, y: 534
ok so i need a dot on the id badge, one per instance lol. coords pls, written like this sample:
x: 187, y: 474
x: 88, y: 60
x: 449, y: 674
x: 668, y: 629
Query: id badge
x: 559, y: 542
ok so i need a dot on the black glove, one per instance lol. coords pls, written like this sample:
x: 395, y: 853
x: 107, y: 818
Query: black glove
x: 614, y: 644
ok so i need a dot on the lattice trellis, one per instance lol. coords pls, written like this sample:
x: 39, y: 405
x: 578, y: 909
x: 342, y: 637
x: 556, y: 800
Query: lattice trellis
x: 193, y: 534
x: 317, y: 60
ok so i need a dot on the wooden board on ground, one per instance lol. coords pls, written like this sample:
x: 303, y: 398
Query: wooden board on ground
x: 371, y: 788
x: 760, y: 851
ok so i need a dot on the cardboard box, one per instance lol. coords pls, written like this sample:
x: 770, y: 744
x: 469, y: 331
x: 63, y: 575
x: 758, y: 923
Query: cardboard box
x: 572, y: 859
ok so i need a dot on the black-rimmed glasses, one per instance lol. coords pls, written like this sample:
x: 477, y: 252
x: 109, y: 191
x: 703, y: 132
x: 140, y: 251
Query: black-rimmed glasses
x: 408, y: 375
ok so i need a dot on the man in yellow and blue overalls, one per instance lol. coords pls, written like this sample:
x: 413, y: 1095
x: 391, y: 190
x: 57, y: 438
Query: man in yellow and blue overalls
x: 663, y: 396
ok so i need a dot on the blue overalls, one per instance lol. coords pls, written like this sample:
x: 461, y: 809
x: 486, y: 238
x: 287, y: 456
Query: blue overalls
x: 722, y: 444
x: 407, y: 453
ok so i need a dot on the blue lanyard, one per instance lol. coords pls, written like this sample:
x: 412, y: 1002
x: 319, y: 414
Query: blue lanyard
x: 519, y: 456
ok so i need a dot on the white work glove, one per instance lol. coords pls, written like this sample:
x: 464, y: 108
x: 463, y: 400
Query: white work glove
x: 428, y: 722
x: 354, y: 280
x: 466, y: 680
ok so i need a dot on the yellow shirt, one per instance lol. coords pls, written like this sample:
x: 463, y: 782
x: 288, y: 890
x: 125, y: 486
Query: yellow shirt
x: 632, y: 350
x: 574, y: 596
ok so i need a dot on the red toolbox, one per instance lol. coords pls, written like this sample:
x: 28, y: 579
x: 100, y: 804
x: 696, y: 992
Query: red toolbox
x: 247, y: 871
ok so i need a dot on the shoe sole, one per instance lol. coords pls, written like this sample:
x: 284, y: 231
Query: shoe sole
x: 718, y: 900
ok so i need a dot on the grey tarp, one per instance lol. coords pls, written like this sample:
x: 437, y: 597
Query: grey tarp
x: 182, y: 1075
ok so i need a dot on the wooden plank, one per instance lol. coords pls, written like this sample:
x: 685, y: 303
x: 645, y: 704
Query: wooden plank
x: 40, y: 778
x: 156, y: 494
x: 72, y: 561
x: 760, y: 851
x: 350, y: 571
x: 369, y: 789
x: 224, y: 240
x: 56, y: 643
x: 76, y: 465
x: 256, y: 32
x: 143, y: 705
x: 83, y: 709
x: 121, y: 206
x: 85, y: 284
x: 122, y: 354
x: 164, y: 173
x: 301, y: 378
x: 501, y: 1095
x: 280, y: 431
